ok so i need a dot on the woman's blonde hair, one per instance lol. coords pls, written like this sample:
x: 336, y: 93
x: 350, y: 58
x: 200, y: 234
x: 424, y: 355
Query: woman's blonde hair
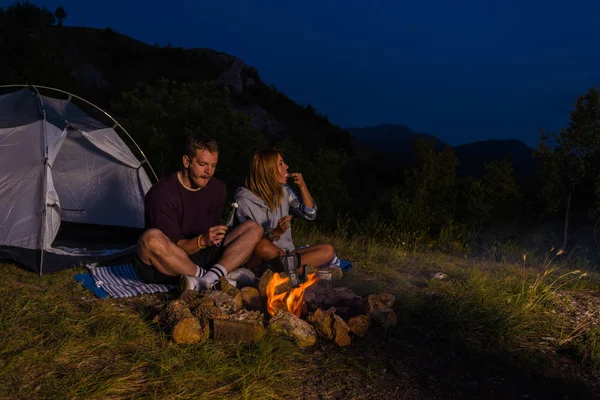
x: 262, y: 178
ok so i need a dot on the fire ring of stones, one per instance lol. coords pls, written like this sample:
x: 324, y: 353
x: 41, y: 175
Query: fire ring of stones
x: 313, y: 309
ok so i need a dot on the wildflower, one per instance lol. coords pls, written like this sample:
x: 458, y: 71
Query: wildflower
x: 524, y: 257
x: 561, y: 251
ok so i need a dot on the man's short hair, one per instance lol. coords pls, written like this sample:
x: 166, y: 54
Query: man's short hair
x: 194, y: 144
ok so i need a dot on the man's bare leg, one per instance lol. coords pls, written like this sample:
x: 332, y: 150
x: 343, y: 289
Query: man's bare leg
x: 154, y: 248
x: 239, y: 244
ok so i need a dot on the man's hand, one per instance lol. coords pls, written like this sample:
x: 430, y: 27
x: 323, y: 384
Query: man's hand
x: 282, y: 226
x: 298, y: 179
x: 214, y: 236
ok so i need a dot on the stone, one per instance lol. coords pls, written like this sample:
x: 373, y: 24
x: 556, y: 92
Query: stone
x: 359, y: 325
x: 340, y: 331
x: 347, y: 303
x: 383, y: 300
x: 322, y: 323
x: 380, y: 309
x: 299, y: 330
x: 440, y: 275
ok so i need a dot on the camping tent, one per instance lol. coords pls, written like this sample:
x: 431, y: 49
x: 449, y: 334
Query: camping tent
x: 60, y: 168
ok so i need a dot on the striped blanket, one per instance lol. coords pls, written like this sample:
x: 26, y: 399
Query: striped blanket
x: 122, y: 281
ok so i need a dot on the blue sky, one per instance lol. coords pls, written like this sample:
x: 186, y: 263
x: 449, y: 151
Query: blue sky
x: 464, y: 71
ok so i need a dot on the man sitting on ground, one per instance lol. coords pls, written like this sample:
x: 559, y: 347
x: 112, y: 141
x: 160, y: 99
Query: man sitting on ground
x: 184, y: 240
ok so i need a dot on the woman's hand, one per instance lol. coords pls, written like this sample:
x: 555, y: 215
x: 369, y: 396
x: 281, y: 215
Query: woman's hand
x: 298, y: 179
x: 282, y: 226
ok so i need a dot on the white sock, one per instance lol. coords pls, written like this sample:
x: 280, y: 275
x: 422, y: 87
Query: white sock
x: 199, y: 272
x: 214, y: 274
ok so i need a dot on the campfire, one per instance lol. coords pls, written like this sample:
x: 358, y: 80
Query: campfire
x: 313, y: 309
x: 292, y: 300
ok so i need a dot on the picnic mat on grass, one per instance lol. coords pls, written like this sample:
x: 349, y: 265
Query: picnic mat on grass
x: 117, y: 281
x: 121, y: 280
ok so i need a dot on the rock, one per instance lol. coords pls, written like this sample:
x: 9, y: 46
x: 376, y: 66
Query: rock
x: 322, y: 323
x: 233, y: 76
x: 440, y: 275
x: 288, y: 324
x: 251, y: 298
x: 359, y: 325
x: 385, y: 300
x: 380, y: 309
x: 347, y: 303
x: 340, y: 331
x: 241, y: 327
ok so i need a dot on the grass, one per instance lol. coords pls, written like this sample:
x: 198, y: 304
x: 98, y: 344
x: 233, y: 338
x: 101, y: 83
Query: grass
x: 57, y: 340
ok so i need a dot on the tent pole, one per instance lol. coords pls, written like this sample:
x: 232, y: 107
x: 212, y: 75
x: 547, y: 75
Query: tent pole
x: 44, y: 183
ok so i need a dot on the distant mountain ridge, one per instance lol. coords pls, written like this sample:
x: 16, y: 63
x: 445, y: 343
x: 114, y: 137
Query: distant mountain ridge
x: 398, y: 140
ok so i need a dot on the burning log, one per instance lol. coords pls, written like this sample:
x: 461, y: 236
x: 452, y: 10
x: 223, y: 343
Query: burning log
x: 177, y: 319
x: 292, y: 301
x: 288, y: 324
x: 241, y: 327
x: 359, y: 325
x: 264, y: 282
x: 380, y: 309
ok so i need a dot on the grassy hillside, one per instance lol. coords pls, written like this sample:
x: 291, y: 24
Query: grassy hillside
x: 490, y: 330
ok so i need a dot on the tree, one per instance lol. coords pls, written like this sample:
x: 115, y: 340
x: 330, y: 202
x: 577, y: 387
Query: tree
x: 494, y: 198
x: 570, y: 161
x: 60, y: 14
x: 428, y: 201
x: 161, y: 116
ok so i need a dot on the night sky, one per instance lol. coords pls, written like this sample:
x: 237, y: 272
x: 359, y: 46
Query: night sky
x: 463, y: 72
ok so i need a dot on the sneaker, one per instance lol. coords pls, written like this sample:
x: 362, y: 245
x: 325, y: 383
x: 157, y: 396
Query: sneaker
x: 194, y: 283
x: 241, y: 278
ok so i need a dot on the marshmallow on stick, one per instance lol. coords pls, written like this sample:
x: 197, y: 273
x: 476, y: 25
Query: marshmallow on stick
x: 234, y: 207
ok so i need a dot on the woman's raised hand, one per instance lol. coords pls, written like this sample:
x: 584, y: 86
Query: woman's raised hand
x: 297, y: 179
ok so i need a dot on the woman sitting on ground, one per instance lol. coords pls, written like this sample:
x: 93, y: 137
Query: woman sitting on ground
x: 268, y: 200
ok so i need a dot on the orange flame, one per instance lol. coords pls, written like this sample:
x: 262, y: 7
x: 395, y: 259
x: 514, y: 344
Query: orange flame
x: 291, y: 301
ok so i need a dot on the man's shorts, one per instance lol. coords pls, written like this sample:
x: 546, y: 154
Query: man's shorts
x: 204, y: 258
